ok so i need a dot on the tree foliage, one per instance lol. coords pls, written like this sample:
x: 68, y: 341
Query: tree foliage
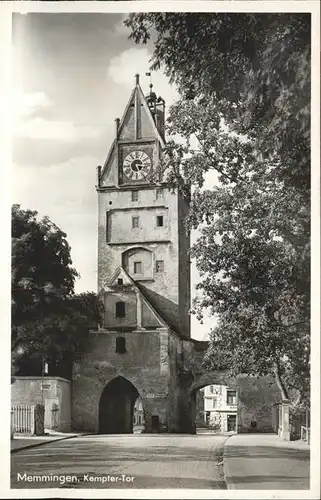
x: 48, y: 320
x: 244, y: 114
x: 259, y: 60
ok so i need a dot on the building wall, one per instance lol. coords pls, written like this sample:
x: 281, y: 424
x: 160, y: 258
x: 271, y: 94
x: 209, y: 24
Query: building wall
x: 56, y: 394
x: 124, y: 237
x: 217, y: 400
x: 255, y: 400
x: 256, y: 397
x: 144, y: 364
x: 184, y: 272
x: 217, y: 406
x: 199, y: 419
x: 110, y: 300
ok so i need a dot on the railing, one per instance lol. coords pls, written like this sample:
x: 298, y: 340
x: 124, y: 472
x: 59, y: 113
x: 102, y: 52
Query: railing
x: 27, y: 419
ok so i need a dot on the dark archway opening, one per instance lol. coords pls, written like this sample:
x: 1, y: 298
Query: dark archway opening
x: 116, y: 407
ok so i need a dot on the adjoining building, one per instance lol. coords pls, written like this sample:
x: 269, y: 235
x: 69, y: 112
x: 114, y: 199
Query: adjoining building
x: 220, y: 408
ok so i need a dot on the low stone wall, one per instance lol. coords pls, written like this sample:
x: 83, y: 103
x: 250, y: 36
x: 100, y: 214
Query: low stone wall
x: 256, y: 397
x: 52, y: 392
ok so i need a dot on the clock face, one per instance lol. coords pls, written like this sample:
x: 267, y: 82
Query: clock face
x: 137, y: 165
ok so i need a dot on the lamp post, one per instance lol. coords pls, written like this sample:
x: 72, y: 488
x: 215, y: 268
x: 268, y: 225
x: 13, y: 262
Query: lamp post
x: 44, y: 371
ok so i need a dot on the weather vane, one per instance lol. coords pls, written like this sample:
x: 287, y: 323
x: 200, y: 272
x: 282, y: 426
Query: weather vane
x: 150, y: 81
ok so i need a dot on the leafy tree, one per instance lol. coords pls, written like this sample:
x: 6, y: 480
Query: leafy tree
x: 259, y: 60
x: 244, y: 114
x: 253, y: 249
x: 48, y: 320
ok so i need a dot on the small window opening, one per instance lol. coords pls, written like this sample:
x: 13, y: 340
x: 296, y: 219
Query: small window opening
x: 159, y: 193
x: 120, y: 345
x: 159, y: 266
x: 159, y: 220
x: 135, y: 222
x: 138, y: 268
x: 134, y: 195
x: 120, y: 309
x: 108, y: 227
x: 120, y: 281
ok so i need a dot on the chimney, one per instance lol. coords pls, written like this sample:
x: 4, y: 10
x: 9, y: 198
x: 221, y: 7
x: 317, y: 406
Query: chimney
x: 117, y: 126
x: 98, y: 175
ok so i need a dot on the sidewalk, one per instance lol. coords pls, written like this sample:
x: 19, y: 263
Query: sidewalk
x: 21, y: 442
x: 265, y: 462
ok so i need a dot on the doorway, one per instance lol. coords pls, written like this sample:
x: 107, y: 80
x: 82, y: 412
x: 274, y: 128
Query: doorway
x: 116, y: 407
x: 231, y: 423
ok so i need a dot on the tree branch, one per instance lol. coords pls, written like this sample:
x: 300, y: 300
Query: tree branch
x: 280, y: 384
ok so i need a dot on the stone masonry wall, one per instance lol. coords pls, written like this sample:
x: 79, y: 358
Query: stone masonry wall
x: 56, y: 393
x: 255, y: 403
x: 142, y: 364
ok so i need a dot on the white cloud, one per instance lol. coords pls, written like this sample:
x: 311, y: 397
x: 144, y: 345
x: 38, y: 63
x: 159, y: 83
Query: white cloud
x: 66, y: 131
x: 123, y: 68
x: 66, y: 193
x: 26, y: 104
x: 26, y: 123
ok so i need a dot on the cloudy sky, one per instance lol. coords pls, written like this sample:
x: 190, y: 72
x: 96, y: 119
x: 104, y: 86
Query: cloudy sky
x: 72, y: 75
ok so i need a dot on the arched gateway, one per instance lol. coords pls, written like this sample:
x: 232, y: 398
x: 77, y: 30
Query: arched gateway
x: 116, y: 407
x: 144, y: 282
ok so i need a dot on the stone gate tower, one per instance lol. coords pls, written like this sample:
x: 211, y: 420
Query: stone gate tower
x: 140, y: 231
x: 143, y: 280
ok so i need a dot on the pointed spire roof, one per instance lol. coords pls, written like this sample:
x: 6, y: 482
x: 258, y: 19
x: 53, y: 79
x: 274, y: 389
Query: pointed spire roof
x: 138, y: 94
x: 138, y: 101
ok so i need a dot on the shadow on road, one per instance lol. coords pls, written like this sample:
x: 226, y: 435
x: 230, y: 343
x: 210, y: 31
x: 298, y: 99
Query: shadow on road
x: 266, y: 452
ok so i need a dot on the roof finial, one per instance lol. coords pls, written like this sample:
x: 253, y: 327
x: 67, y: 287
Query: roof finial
x: 137, y: 78
x: 150, y: 81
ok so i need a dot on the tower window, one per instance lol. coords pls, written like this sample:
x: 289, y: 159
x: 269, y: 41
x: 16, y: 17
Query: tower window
x: 108, y: 226
x: 159, y: 266
x: 159, y: 220
x: 135, y: 222
x: 120, y: 310
x: 159, y: 193
x: 120, y: 281
x: 120, y: 345
x: 138, y: 268
x: 134, y: 195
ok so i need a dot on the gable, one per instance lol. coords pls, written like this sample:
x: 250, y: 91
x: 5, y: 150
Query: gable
x: 109, y: 175
x: 127, y: 127
x: 136, y: 124
x: 120, y: 274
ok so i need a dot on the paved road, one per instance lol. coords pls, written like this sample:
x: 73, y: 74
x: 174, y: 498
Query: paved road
x: 132, y: 461
x: 265, y: 462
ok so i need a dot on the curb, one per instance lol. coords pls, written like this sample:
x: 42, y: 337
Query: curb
x: 33, y: 445
x: 230, y: 485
